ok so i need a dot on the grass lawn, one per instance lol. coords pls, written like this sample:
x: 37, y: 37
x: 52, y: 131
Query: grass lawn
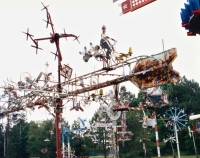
x: 151, y: 157
x: 172, y: 157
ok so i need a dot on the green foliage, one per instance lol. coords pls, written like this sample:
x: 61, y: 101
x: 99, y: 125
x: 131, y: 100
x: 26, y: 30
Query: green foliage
x: 37, y: 133
x: 1, y: 143
x: 17, y: 140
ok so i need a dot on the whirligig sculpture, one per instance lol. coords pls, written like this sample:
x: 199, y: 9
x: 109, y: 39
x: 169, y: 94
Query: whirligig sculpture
x: 170, y: 139
x: 44, y: 92
x: 177, y: 120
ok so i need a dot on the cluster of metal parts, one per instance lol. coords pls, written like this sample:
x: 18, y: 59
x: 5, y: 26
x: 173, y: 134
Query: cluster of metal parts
x: 28, y: 93
x: 110, y: 117
x: 99, y: 53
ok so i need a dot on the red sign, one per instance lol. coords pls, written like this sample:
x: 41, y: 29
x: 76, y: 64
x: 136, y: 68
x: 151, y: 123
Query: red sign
x: 136, y: 4
x: 126, y: 6
x: 131, y: 5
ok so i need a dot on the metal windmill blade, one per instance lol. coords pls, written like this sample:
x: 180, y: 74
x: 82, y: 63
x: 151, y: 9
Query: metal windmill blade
x: 177, y: 117
x: 65, y: 33
x: 27, y: 34
x: 36, y: 47
x: 76, y: 38
x: 171, y: 138
x: 45, y: 7
x: 56, y: 55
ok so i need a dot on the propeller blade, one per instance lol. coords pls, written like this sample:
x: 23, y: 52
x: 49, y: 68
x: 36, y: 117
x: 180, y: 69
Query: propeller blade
x: 47, y: 22
x: 56, y: 55
x: 36, y: 51
x: 36, y: 48
x: 76, y: 38
x: 27, y: 34
x: 45, y: 7
x: 65, y: 33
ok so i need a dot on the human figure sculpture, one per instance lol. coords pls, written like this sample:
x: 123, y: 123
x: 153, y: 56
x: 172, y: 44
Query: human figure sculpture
x: 105, y: 43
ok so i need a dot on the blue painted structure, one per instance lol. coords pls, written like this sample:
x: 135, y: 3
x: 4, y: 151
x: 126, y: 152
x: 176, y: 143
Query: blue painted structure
x: 66, y: 132
x: 84, y: 124
x: 190, y: 16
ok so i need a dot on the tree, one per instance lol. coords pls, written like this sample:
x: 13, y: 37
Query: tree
x: 18, y: 136
x: 37, y: 133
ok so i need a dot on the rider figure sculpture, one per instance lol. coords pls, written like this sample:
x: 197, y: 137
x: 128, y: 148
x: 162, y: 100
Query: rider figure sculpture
x: 105, y: 42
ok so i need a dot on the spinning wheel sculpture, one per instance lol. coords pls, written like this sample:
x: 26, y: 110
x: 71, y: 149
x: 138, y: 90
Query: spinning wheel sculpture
x: 172, y: 140
x: 177, y: 120
x: 107, y: 104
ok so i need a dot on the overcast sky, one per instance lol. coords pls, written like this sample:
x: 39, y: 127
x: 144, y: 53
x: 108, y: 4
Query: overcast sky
x: 143, y: 30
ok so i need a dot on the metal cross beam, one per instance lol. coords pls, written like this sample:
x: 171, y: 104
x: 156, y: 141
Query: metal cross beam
x: 100, y: 85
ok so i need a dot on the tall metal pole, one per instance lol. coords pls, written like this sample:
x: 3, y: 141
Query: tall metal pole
x: 194, y: 144
x: 157, y: 138
x: 63, y: 144
x: 117, y: 143
x: 58, y: 137
x: 177, y: 142
x: 172, y: 149
x: 58, y: 111
x: 68, y: 142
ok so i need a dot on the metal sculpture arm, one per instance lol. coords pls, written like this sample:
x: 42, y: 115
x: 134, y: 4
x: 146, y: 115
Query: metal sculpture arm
x: 49, y: 20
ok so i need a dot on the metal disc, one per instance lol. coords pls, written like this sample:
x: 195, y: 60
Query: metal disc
x: 113, y: 115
